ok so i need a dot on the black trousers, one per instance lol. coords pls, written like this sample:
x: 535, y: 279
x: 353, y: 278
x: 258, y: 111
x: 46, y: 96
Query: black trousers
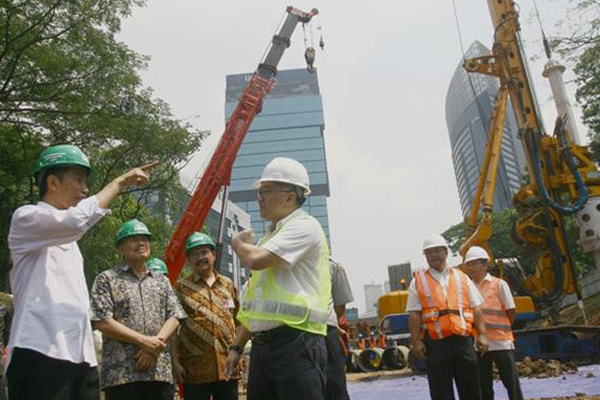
x: 151, y: 390
x: 34, y: 376
x: 220, y: 390
x: 336, y: 361
x: 449, y: 360
x: 288, y: 365
x: 505, y: 361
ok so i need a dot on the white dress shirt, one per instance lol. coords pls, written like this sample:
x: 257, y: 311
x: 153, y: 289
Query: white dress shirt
x: 508, y: 302
x: 413, y: 302
x: 52, y: 306
x: 298, y: 242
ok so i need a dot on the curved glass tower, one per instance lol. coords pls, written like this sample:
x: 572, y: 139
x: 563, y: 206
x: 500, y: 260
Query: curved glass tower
x: 469, y: 108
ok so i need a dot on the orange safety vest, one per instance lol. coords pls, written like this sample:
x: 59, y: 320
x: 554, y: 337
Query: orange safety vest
x: 497, y: 324
x: 444, y: 316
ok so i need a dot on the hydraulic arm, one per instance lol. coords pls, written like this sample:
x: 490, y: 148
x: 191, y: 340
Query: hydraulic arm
x: 218, y: 171
x: 561, y: 174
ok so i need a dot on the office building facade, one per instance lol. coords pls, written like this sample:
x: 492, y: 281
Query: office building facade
x: 397, y: 273
x: 237, y: 220
x: 469, y: 105
x: 290, y: 125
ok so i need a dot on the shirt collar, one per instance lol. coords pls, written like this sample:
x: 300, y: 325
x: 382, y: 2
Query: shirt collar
x: 48, y: 206
x: 198, y: 277
x: 123, y: 267
x: 283, y: 221
x: 487, y: 277
x: 446, y: 271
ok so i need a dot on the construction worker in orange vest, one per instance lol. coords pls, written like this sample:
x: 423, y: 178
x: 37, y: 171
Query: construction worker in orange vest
x: 499, y: 313
x: 443, y: 305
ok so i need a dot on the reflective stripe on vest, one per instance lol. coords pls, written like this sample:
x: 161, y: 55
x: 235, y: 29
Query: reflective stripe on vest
x: 430, y: 309
x: 265, y: 299
x: 443, y: 316
x: 496, y: 321
x: 293, y: 310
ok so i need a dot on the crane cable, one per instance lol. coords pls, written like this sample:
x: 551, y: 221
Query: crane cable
x: 482, y: 115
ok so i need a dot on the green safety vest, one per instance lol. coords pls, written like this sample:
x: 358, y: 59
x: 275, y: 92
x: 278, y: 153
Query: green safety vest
x: 265, y: 299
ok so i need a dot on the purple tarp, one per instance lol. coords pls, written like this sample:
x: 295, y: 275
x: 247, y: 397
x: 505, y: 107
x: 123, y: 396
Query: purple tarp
x: 416, y: 387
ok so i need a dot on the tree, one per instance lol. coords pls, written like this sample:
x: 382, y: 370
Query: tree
x: 503, y: 246
x: 64, y: 78
x: 579, y: 43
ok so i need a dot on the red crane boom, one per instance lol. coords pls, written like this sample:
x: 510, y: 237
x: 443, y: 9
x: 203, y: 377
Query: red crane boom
x: 218, y: 171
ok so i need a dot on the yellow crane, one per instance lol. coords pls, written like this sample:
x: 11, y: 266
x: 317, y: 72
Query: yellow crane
x: 561, y: 175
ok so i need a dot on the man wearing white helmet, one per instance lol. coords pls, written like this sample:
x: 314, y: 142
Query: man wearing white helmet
x: 443, y: 306
x: 498, y: 313
x: 285, y: 305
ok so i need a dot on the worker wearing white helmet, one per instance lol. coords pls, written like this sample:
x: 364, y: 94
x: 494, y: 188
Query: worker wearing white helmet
x: 285, y: 305
x: 443, y: 306
x: 498, y: 313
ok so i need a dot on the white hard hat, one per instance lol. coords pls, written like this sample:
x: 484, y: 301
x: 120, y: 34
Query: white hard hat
x: 476, y: 253
x: 434, y: 241
x: 285, y: 170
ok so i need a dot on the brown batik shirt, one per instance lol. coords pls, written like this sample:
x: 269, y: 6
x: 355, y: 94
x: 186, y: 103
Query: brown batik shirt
x: 209, y: 330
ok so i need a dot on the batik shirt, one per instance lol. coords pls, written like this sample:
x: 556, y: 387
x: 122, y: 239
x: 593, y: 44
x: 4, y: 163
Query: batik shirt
x: 142, y: 304
x: 209, y: 330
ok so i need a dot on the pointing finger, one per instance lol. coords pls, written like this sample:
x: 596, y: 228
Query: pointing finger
x: 149, y: 166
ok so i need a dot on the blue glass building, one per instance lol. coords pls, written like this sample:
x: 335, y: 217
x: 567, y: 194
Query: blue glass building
x: 290, y: 125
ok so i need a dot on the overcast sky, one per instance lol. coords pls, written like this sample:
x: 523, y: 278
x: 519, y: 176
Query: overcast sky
x: 383, y: 78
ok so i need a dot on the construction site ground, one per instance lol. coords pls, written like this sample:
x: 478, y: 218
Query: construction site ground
x: 581, y: 385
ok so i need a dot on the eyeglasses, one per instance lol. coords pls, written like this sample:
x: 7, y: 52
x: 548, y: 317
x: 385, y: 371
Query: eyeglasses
x: 266, y: 192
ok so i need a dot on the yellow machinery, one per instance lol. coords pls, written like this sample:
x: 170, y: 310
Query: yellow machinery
x: 561, y: 174
x: 392, y: 303
x: 562, y: 180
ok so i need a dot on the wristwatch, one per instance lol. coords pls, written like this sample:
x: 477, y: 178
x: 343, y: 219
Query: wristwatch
x: 236, y: 348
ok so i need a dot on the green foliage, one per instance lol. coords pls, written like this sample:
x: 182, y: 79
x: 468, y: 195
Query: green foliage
x: 64, y: 78
x: 580, y: 44
x: 503, y: 246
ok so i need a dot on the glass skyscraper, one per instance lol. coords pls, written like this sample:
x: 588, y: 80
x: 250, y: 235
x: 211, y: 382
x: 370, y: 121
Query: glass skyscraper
x: 290, y: 125
x: 469, y: 106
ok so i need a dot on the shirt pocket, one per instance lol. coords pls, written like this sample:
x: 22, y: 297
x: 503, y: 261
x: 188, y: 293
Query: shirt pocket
x: 61, y: 259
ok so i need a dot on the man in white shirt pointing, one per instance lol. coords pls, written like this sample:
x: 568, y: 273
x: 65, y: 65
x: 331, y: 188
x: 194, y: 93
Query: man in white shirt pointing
x: 51, y: 352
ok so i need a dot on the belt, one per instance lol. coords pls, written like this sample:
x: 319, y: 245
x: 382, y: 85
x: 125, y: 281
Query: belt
x: 282, y: 332
x: 446, y: 312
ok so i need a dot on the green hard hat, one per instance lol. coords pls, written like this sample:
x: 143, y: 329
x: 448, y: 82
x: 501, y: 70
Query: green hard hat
x: 157, y: 265
x: 62, y: 155
x: 197, y: 239
x: 132, y: 228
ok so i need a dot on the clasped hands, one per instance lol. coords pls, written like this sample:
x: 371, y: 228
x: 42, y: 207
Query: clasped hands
x: 150, y: 349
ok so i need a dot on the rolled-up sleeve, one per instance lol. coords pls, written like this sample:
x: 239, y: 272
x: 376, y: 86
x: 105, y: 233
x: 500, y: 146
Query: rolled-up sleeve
x: 34, y: 227
x: 102, y: 302
x: 506, y: 296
